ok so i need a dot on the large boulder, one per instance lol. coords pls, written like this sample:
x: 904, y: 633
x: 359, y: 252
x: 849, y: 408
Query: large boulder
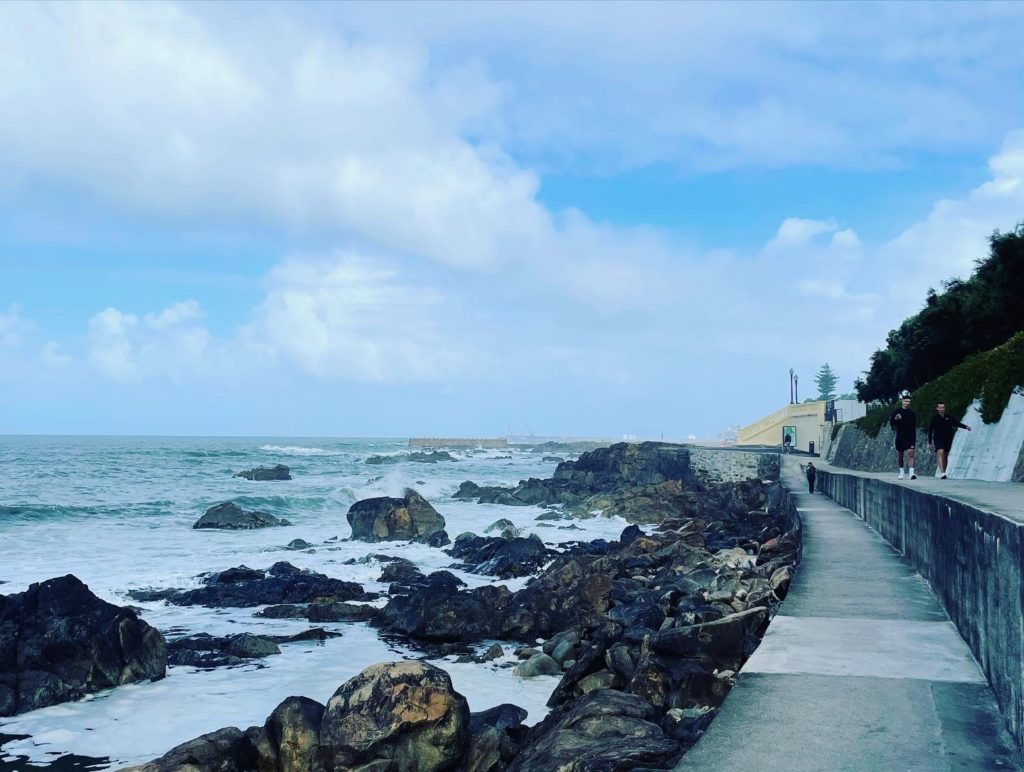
x: 290, y: 737
x: 438, y: 611
x: 59, y: 642
x: 606, y: 731
x: 410, y: 518
x: 499, y: 556
x: 226, y: 750
x: 393, y: 717
x: 276, y: 472
x: 230, y: 516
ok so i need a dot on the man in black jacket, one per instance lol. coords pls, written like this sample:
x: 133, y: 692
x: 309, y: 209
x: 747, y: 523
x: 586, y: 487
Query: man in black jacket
x: 940, y: 435
x: 811, y: 473
x: 904, y: 422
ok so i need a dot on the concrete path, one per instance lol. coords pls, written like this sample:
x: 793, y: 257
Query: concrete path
x: 860, y: 670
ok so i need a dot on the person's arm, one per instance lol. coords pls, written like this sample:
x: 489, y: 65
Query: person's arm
x: 892, y: 418
x: 931, y: 430
x: 963, y: 426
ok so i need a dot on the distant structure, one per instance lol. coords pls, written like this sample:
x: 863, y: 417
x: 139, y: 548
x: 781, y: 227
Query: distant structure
x: 457, y: 442
x: 805, y: 423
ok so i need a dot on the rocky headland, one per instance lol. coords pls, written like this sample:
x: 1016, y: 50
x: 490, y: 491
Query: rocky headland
x: 646, y: 632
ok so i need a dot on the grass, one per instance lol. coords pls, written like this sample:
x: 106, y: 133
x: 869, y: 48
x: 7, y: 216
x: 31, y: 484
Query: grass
x: 991, y: 376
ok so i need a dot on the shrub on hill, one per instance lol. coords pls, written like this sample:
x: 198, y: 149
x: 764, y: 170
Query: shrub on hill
x: 968, y: 317
x: 991, y: 375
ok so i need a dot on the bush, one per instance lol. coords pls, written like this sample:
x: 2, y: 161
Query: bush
x: 992, y: 376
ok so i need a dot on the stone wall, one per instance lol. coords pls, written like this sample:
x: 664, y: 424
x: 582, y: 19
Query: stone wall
x: 972, y: 559
x: 717, y: 465
x: 854, y: 449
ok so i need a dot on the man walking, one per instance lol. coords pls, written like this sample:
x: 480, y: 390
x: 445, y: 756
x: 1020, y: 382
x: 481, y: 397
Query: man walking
x: 904, y: 422
x: 811, y: 474
x: 940, y: 435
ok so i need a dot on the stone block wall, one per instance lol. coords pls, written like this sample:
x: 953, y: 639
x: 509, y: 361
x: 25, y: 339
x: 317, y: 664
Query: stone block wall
x: 714, y: 465
x: 972, y: 559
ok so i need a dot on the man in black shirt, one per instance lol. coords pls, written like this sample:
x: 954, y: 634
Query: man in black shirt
x: 904, y: 422
x: 940, y: 434
x: 811, y: 473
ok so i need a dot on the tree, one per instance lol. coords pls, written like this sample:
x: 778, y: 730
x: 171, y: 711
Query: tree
x: 826, y: 381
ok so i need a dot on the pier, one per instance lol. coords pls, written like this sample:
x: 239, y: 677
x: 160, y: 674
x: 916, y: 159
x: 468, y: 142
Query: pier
x: 459, y: 442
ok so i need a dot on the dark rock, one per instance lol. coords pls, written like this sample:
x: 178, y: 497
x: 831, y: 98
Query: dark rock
x: 232, y: 517
x: 505, y: 716
x: 283, y: 583
x: 404, y: 573
x: 395, y: 716
x: 417, y: 457
x: 290, y: 737
x: 277, y: 472
x: 604, y: 731
x: 298, y: 544
x: 539, y: 664
x: 438, y: 611
x: 391, y: 519
x: 501, y: 557
x: 284, y: 611
x: 59, y: 642
x: 556, y: 459
x: 573, y: 591
x: 504, y: 528
x: 226, y: 750
x: 342, y: 612
x: 237, y: 574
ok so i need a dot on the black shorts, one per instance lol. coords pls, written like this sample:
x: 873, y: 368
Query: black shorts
x: 943, y: 447
x: 902, y: 445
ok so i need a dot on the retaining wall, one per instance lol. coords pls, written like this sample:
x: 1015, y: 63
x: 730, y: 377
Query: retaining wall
x: 973, y: 560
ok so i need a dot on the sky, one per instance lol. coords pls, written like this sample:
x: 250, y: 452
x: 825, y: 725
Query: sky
x: 392, y: 219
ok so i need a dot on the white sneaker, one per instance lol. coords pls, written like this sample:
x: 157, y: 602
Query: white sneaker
x: 943, y: 477
x: 900, y: 475
x: 912, y: 475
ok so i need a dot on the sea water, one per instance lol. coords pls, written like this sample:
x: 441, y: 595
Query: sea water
x: 117, y: 512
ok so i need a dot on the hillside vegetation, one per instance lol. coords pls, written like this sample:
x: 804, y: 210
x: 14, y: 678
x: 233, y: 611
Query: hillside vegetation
x: 991, y: 375
x: 967, y: 318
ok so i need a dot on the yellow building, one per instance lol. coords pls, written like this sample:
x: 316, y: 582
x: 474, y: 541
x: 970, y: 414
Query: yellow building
x: 802, y: 422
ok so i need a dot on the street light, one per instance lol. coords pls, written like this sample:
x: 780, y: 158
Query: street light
x: 791, y: 385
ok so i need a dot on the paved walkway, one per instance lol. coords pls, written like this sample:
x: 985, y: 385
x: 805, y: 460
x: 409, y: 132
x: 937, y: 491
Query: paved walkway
x: 860, y: 670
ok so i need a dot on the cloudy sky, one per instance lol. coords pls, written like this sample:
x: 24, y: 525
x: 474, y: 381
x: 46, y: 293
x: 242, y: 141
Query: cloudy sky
x: 388, y: 219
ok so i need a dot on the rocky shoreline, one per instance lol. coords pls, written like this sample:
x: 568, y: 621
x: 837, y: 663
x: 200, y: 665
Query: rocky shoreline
x: 646, y: 632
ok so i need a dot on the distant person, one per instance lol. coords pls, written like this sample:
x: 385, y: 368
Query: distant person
x: 811, y: 474
x: 940, y: 435
x: 904, y: 422
x: 787, y: 441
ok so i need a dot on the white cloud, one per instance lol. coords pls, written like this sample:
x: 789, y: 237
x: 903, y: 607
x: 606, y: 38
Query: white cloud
x: 347, y: 317
x: 166, y: 344
x: 846, y: 238
x: 52, y: 357
x: 14, y: 328
x: 797, y: 231
x: 111, y: 351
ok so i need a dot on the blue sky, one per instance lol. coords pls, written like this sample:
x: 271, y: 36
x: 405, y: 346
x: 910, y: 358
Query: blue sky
x: 394, y: 219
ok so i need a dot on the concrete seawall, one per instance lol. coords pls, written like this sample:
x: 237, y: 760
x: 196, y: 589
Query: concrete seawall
x: 970, y: 554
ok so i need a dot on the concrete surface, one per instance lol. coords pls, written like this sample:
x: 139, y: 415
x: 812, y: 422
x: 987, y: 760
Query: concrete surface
x: 860, y: 670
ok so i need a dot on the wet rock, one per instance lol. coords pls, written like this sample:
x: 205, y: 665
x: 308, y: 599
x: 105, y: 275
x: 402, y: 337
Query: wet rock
x: 342, y: 612
x: 499, y: 556
x: 605, y: 730
x: 298, y: 544
x: 572, y: 591
x: 539, y: 664
x: 230, y: 516
x: 226, y: 750
x: 504, y: 528
x: 283, y: 583
x: 289, y: 740
x: 410, y: 518
x: 439, y: 611
x: 395, y: 717
x: 416, y: 457
x: 59, y: 642
x: 276, y: 472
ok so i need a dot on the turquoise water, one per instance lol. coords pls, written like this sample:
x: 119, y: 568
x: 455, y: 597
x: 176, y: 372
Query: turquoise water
x: 118, y: 512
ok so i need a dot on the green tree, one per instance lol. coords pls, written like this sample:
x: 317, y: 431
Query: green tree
x: 826, y: 381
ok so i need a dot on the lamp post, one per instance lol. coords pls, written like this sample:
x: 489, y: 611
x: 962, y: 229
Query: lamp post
x: 791, y: 385
x: 796, y: 388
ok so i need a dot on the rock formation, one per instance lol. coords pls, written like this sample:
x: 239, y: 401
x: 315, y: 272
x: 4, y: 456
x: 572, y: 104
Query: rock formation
x: 410, y: 518
x: 229, y: 515
x: 59, y: 642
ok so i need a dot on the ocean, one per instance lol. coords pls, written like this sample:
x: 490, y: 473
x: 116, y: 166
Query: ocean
x: 117, y: 512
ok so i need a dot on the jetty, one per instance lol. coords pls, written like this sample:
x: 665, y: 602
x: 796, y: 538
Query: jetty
x: 899, y: 645
x: 457, y: 442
